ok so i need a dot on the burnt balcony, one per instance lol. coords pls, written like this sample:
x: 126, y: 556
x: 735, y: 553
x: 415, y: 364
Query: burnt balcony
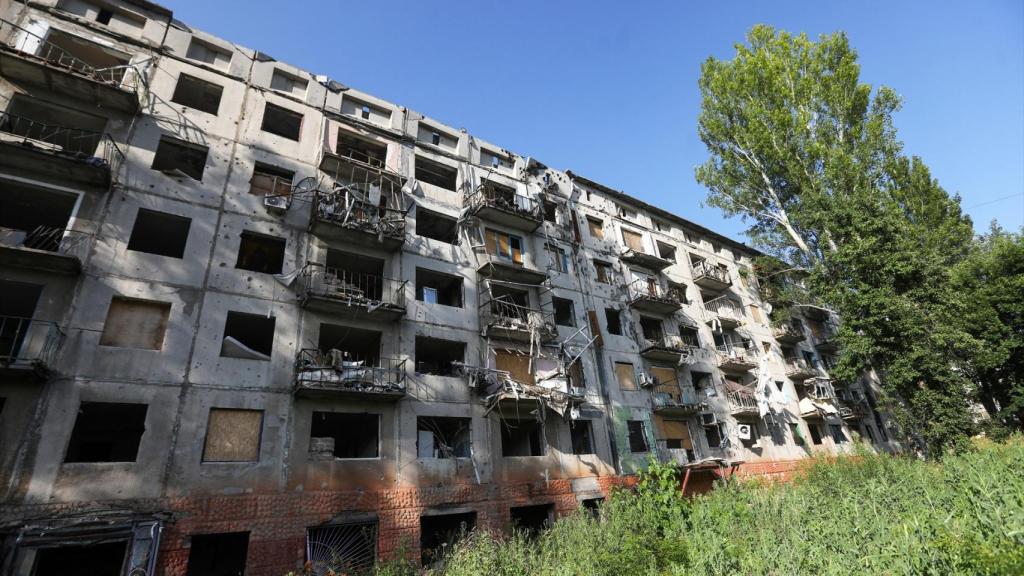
x: 497, y: 268
x: 736, y: 358
x: 364, y: 207
x: 728, y: 312
x: 352, y: 294
x: 853, y: 409
x: 324, y: 374
x: 798, y: 369
x: 788, y: 333
x: 711, y: 278
x: 69, y: 66
x: 742, y: 402
x: 683, y: 403
x: 28, y: 345
x: 646, y: 295
x: 43, y: 249
x: 503, y: 319
x: 820, y: 389
x: 85, y: 157
x: 644, y: 260
x: 666, y: 348
x: 502, y: 205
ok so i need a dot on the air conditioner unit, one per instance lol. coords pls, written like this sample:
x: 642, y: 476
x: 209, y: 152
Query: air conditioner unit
x: 708, y: 419
x: 744, y: 431
x: 277, y: 203
x: 647, y: 380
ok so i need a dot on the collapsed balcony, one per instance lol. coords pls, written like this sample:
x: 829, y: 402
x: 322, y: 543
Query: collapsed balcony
x: 320, y: 373
x: 736, y: 358
x: 506, y: 315
x: 726, y: 311
x: 799, y: 369
x: 28, y: 344
x: 742, y: 400
x: 646, y: 295
x: 34, y: 234
x: 352, y: 291
x: 677, y: 401
x: 500, y: 204
x: 69, y: 66
x: 820, y: 389
x: 515, y: 380
x: 365, y: 208
x: 645, y: 260
x: 791, y: 332
x: 666, y: 348
x: 709, y: 277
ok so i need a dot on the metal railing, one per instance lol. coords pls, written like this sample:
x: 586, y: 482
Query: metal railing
x: 506, y: 200
x: 63, y: 137
x: 502, y: 312
x: 356, y: 288
x: 683, y: 397
x: 345, y: 207
x: 742, y: 401
x: 799, y: 366
x: 644, y: 289
x: 704, y: 270
x: 25, y: 342
x: 353, y: 154
x: 725, y: 308
x: 820, y: 389
x: 737, y: 352
x: 49, y: 239
x: 36, y: 46
x: 670, y: 342
x: 335, y: 370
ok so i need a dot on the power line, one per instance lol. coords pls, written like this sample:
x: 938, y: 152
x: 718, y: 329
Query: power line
x: 994, y: 201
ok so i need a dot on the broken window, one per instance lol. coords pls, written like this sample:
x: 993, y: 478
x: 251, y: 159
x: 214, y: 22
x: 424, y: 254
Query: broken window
x: 249, y: 336
x: 798, y: 438
x: 208, y: 53
x: 557, y: 257
x: 271, y: 181
x: 625, y: 375
x: 260, y: 253
x: 217, y: 554
x: 349, y: 548
x: 106, y: 432
x: 436, y: 226
x: 132, y: 323
x: 613, y: 321
x: 436, y: 173
x: 435, y: 356
x: 439, y: 533
x: 505, y: 246
x: 651, y: 328
x: 815, y: 432
x: 517, y: 365
x: 437, y: 288
x: 281, y: 121
x: 177, y: 157
x: 362, y: 150
x: 233, y: 435
x: 637, y: 435
x: 702, y: 382
x: 199, y: 94
x: 532, y: 519
x: 159, y: 233
x: 714, y: 435
x: 689, y: 335
x: 442, y: 437
x: 666, y: 252
x: 838, y: 436
x: 550, y: 212
x: 677, y: 436
x: 633, y: 240
x: 581, y: 432
x: 596, y: 227
x: 521, y: 437
x: 604, y: 272
x: 94, y: 559
x: 808, y: 357
x: 565, y: 312
x: 355, y: 344
x: 288, y: 83
x: 344, y: 435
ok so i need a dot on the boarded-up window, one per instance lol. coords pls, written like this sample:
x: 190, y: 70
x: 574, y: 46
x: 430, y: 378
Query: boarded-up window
x: 233, y: 435
x: 633, y: 240
x: 517, y: 365
x: 668, y: 381
x: 595, y: 227
x: 675, y: 433
x: 134, y: 323
x: 755, y: 313
x: 504, y: 246
x: 625, y: 375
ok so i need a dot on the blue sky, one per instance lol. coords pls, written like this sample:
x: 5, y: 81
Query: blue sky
x: 609, y: 90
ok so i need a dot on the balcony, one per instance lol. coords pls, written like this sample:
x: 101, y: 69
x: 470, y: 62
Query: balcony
x: 647, y: 296
x: 788, y: 333
x: 497, y: 268
x: 853, y: 409
x: 85, y: 157
x: 728, y: 312
x: 798, y: 369
x: 736, y: 358
x: 320, y: 374
x: 644, y: 260
x: 68, y: 66
x: 28, y: 345
x: 503, y: 319
x: 820, y: 389
x: 504, y: 206
x: 352, y: 294
x: 365, y: 207
x: 711, y: 278
x: 666, y: 348
x: 743, y: 402
x: 684, y: 403
x: 43, y: 249
x: 828, y: 342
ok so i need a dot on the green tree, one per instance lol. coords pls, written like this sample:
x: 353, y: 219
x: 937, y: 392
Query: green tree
x: 808, y: 156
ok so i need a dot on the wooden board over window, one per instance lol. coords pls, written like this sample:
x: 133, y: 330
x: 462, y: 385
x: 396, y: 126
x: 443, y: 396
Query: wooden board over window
x: 674, y: 430
x: 625, y: 375
x: 233, y: 435
x: 504, y: 245
x: 517, y: 365
x: 134, y: 323
x: 633, y: 240
x: 595, y: 227
x: 755, y: 313
x: 668, y: 380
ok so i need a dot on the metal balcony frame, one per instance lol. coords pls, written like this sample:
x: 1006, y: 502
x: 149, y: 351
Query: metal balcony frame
x: 329, y: 374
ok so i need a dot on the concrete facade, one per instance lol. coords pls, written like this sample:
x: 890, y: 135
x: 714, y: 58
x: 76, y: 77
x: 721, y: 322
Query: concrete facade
x: 102, y: 318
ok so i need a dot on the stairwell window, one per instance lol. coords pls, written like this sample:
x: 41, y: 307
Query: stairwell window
x: 637, y: 436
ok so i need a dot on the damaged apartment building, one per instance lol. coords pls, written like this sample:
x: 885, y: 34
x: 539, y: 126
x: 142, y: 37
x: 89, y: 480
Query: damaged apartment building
x: 252, y: 319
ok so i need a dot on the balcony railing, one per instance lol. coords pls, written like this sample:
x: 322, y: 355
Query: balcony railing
x: 683, y: 398
x: 643, y: 289
x: 820, y: 389
x: 742, y: 401
x: 726, y: 309
x: 28, y: 343
x: 503, y: 314
x: 58, y: 240
x: 333, y: 371
x: 736, y: 354
x: 71, y: 140
x: 798, y: 368
x: 353, y: 288
x: 345, y: 211
x: 507, y: 201
x: 703, y: 270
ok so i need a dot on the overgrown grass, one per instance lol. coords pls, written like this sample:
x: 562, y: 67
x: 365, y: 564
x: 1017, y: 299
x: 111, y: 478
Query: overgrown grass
x: 866, y: 514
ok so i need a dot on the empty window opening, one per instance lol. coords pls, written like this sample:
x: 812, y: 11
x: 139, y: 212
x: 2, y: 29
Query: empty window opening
x: 596, y: 227
x: 159, y: 233
x: 582, y: 436
x: 627, y: 212
x: 288, y: 83
x: 132, y: 323
x: 342, y: 548
x: 436, y: 356
x: 532, y: 519
x: 702, y: 381
x: 281, y: 122
x: 510, y: 303
x: 714, y: 435
x: 550, y: 212
x: 690, y: 336
x: 249, y: 336
x: 104, y: 559
x: 521, y: 437
x: 208, y: 53
x: 106, y: 432
x: 439, y: 533
x: 362, y: 150
x: 260, y: 253
x: 93, y: 54
x: 625, y: 375
x: 442, y: 437
x: 65, y: 128
x: 436, y: 226
x: 34, y: 218
x: 177, y: 157
x: 565, y: 312
x: 233, y: 435
x: 199, y: 94
x: 666, y: 252
x: 651, y: 328
x: 437, y: 288
x: 349, y: 274
x: 613, y: 321
x: 815, y: 432
x: 798, y: 437
x: 344, y: 435
x: 604, y: 272
x: 592, y: 506
x: 637, y: 436
x: 217, y: 554
x: 436, y: 173
x: 435, y: 138
x: 838, y: 436
x: 505, y: 246
x: 353, y: 344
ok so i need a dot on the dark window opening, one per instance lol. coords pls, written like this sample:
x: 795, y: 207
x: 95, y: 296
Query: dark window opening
x: 34, y: 218
x: 550, y: 212
x: 532, y: 519
x: 271, y: 181
x: 218, y: 554
x: 651, y: 328
x: 436, y: 226
x: 436, y: 173
x: 260, y: 253
x: 798, y: 438
x: 107, y: 432
x: 565, y: 312
x: 701, y: 381
x: 582, y: 437
x: 95, y: 560
x: 714, y: 436
x: 69, y: 129
x: 604, y: 272
x: 282, y: 122
x: 815, y: 433
x: 592, y: 506
x: 436, y: 356
x: 176, y: 157
x: 614, y: 321
x: 440, y: 533
x: 350, y: 273
x: 199, y: 94
x: 689, y: 336
x: 868, y: 428
x: 666, y: 252
x: 837, y: 434
x: 248, y: 336
x: 437, y: 288
x: 344, y: 435
x: 104, y: 15
x: 361, y: 150
x: 521, y: 438
x: 637, y: 436
x: 442, y: 437
x: 159, y: 233
x: 355, y: 344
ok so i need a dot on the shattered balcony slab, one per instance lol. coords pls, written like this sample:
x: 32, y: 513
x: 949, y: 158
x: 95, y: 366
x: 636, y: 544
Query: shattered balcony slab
x: 726, y: 311
x: 683, y: 404
x: 736, y: 359
x: 666, y: 349
x: 788, y: 334
x: 322, y: 374
x: 798, y: 369
x: 499, y: 269
x: 644, y: 260
x: 743, y: 403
